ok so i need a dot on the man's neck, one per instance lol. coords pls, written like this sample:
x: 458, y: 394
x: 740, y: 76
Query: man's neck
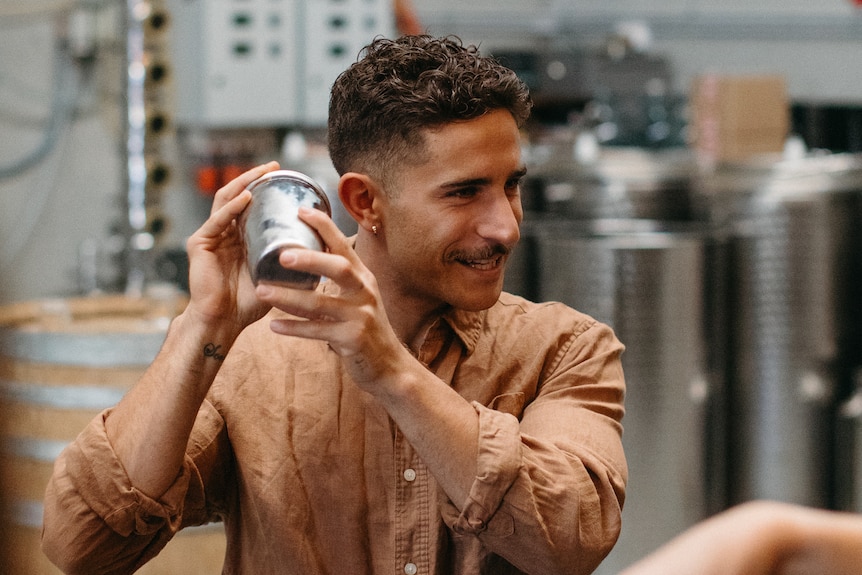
x: 409, y: 317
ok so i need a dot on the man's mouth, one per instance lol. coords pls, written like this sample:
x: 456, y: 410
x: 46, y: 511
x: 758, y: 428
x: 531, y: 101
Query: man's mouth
x: 483, y: 264
x: 484, y: 260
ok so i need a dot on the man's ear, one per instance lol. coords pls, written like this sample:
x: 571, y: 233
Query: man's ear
x: 361, y: 195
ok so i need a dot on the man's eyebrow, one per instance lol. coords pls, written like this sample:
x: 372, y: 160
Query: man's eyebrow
x: 517, y: 174
x: 466, y: 183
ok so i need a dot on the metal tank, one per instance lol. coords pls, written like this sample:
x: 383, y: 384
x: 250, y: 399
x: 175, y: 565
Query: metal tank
x: 571, y: 178
x: 792, y: 230
x: 579, y: 182
x: 649, y: 281
x: 848, y: 457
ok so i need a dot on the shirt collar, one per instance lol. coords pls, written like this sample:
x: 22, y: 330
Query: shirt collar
x: 467, y: 325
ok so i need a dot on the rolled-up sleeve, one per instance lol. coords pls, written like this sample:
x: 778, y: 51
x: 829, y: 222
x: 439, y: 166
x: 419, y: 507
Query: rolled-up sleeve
x: 102, y: 482
x: 498, y: 462
x: 96, y: 521
x: 551, y: 483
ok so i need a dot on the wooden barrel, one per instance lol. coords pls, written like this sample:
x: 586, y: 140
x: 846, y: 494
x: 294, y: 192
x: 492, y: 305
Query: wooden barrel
x: 61, y: 363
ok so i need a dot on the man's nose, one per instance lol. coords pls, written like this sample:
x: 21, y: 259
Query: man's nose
x: 501, y: 220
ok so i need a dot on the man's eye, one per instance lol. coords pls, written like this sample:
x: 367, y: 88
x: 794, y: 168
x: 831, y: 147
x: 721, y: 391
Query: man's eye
x: 464, y: 192
x: 513, y: 186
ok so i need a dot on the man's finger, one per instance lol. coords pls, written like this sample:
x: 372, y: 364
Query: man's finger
x: 235, y: 187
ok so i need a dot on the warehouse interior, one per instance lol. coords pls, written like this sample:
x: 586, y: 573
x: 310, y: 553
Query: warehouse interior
x: 694, y: 180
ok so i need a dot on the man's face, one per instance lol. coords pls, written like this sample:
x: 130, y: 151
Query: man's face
x: 454, y: 218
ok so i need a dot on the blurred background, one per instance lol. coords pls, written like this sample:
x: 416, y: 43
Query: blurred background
x: 695, y: 181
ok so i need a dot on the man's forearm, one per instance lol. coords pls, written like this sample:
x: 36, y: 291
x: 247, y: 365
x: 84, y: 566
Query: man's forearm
x: 150, y: 427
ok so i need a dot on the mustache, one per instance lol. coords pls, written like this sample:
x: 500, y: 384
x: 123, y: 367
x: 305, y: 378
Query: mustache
x: 485, y: 253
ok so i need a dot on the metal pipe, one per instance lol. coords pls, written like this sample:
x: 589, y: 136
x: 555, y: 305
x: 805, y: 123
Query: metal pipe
x: 140, y: 242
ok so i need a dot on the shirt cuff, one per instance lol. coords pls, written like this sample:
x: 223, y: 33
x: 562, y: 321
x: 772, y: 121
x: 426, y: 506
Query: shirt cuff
x: 103, y: 483
x: 498, y: 462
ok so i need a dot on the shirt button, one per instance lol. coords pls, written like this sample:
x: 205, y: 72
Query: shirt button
x: 410, y: 569
x: 410, y: 475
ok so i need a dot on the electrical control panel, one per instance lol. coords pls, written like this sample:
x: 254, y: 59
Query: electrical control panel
x: 335, y: 31
x: 243, y: 63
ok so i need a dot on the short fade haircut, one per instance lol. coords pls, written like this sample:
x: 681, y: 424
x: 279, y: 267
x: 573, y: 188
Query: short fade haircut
x: 381, y: 105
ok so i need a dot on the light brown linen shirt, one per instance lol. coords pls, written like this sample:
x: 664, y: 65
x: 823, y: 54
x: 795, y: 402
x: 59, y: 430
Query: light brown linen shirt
x: 311, y: 476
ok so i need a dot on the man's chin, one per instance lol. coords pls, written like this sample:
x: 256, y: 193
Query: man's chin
x: 478, y: 302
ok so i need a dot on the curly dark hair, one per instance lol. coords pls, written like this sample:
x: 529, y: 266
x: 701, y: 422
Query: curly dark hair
x: 381, y: 105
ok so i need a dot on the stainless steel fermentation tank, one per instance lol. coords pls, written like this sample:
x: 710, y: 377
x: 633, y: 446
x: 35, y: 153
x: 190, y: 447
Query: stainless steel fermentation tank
x: 848, y: 466
x: 737, y: 293
x: 648, y: 281
x: 793, y: 235
x: 616, y: 184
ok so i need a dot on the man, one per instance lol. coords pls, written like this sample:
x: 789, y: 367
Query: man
x: 405, y: 417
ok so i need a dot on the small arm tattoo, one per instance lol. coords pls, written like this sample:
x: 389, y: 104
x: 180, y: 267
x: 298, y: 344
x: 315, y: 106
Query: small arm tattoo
x: 212, y: 350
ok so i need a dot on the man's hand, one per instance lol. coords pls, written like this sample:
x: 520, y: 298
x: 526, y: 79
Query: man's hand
x: 351, y: 319
x: 219, y: 282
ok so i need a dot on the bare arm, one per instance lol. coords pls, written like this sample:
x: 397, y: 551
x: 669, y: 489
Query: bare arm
x: 150, y: 427
x: 763, y: 538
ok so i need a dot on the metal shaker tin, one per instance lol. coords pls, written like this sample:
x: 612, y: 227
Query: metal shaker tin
x: 271, y: 224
